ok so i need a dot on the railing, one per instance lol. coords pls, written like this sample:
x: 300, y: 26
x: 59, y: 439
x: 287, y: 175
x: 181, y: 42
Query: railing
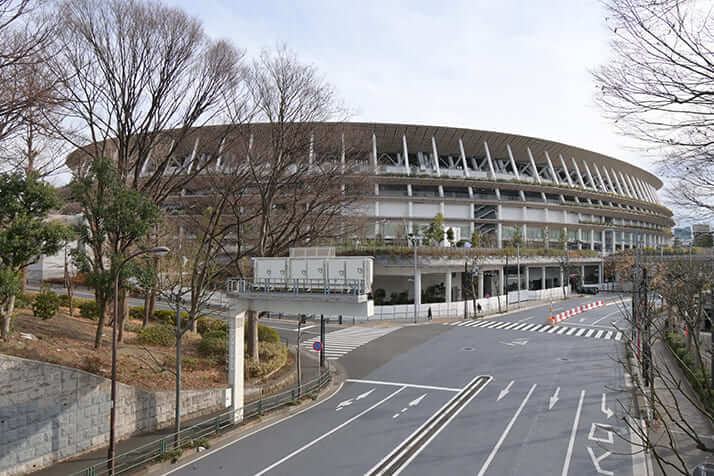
x: 168, y: 446
x: 355, y: 287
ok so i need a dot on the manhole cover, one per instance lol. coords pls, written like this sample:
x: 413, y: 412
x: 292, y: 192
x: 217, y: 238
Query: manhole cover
x: 468, y: 349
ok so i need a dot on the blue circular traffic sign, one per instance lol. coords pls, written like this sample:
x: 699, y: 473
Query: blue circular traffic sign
x: 317, y: 345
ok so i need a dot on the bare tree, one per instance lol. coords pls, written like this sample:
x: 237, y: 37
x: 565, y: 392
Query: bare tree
x: 136, y: 80
x: 657, y: 88
x: 139, y: 76
x: 302, y: 172
x: 25, y: 37
x: 669, y: 365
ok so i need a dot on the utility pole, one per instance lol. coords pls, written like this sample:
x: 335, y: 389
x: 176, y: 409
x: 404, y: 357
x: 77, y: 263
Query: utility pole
x: 301, y: 321
x: 322, y: 341
x: 413, y: 239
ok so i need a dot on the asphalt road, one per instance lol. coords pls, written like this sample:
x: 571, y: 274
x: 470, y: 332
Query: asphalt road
x: 446, y: 399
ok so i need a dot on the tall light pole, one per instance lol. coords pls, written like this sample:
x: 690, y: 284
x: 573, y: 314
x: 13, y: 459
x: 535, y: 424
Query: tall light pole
x: 518, y: 271
x: 158, y: 251
x: 413, y: 239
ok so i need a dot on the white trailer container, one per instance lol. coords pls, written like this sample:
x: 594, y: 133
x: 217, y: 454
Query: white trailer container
x: 338, y: 274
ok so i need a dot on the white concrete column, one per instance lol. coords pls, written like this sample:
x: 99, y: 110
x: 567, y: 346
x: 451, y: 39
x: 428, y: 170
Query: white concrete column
x: 406, y: 153
x: 600, y: 274
x: 542, y: 278
x: 582, y: 272
x: 528, y: 282
x: 417, y: 297
x: 480, y: 284
x: 236, y: 350
x: 500, y: 281
x: 447, y: 285
x: 499, y: 234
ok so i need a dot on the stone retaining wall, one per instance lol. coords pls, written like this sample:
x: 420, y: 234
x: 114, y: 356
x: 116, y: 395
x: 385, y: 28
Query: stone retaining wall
x: 50, y: 413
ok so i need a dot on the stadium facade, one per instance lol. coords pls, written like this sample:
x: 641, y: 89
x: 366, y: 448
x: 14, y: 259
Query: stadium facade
x: 496, y: 184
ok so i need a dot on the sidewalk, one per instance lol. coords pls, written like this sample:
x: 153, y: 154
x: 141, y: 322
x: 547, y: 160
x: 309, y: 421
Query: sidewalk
x: 310, y: 370
x: 683, y: 416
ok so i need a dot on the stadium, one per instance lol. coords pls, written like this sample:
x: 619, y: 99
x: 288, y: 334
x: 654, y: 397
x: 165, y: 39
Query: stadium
x: 483, y: 183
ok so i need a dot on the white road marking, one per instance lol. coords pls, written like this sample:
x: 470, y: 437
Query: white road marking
x: 505, y: 391
x: 571, y: 443
x: 581, y: 332
x: 251, y: 433
x: 399, y: 384
x: 431, y: 422
x: 553, y: 399
x: 609, y: 335
x: 599, y: 333
x: 596, y: 462
x: 590, y: 332
x: 571, y: 331
x: 553, y: 329
x: 417, y: 400
x: 505, y: 433
x: 606, y: 316
x: 511, y: 326
x: 605, y: 427
x: 562, y: 330
x: 618, y: 336
x: 604, y: 409
x: 325, y: 435
x: 365, y: 394
x: 544, y: 328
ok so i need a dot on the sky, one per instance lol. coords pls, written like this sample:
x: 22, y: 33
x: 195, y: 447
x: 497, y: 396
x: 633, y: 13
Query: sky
x: 512, y: 66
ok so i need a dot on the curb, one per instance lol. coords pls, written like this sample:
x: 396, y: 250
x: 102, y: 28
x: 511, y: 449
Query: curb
x: 248, y: 429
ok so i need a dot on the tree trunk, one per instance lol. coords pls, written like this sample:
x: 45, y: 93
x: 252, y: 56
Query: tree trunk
x: 70, y: 293
x: 7, y: 318
x: 149, y: 308
x: 146, y: 309
x: 123, y: 312
x: 177, y: 417
x: 253, y: 336
x: 102, y: 305
x: 23, y: 281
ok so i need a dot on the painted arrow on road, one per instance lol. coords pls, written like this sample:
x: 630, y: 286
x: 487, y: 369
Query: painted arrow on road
x: 413, y: 403
x: 554, y: 398
x: 417, y: 401
x: 604, y: 409
x: 364, y: 395
x: 505, y: 391
x: 343, y: 405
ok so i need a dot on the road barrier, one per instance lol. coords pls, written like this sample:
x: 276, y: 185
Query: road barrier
x: 573, y: 311
x: 169, y: 446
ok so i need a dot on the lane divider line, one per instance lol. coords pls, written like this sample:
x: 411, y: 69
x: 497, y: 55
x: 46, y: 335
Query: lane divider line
x: 325, y: 435
x: 505, y: 433
x: 407, y: 450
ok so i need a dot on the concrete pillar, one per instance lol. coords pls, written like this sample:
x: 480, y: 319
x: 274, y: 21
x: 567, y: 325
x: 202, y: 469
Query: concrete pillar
x: 480, y: 284
x: 600, y: 274
x: 528, y: 281
x: 500, y: 281
x: 499, y: 233
x: 417, y: 290
x: 542, y: 277
x: 582, y: 272
x: 447, y: 285
x: 236, y: 350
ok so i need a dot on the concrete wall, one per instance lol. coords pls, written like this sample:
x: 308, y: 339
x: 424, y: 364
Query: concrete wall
x: 49, y: 413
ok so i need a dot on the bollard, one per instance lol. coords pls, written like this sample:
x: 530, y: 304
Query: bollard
x: 340, y: 318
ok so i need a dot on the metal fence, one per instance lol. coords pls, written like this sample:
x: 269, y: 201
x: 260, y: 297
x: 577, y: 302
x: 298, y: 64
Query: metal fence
x: 166, y: 447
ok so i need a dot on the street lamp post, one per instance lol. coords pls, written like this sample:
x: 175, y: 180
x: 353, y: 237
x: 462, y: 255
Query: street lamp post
x: 158, y: 251
x: 518, y: 272
x: 413, y: 239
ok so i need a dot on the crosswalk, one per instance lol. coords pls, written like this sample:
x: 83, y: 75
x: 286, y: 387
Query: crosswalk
x: 339, y: 343
x: 544, y: 328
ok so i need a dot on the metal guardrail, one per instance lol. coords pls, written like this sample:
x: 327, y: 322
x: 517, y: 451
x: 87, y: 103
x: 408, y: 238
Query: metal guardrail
x: 189, y: 437
x: 355, y: 287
